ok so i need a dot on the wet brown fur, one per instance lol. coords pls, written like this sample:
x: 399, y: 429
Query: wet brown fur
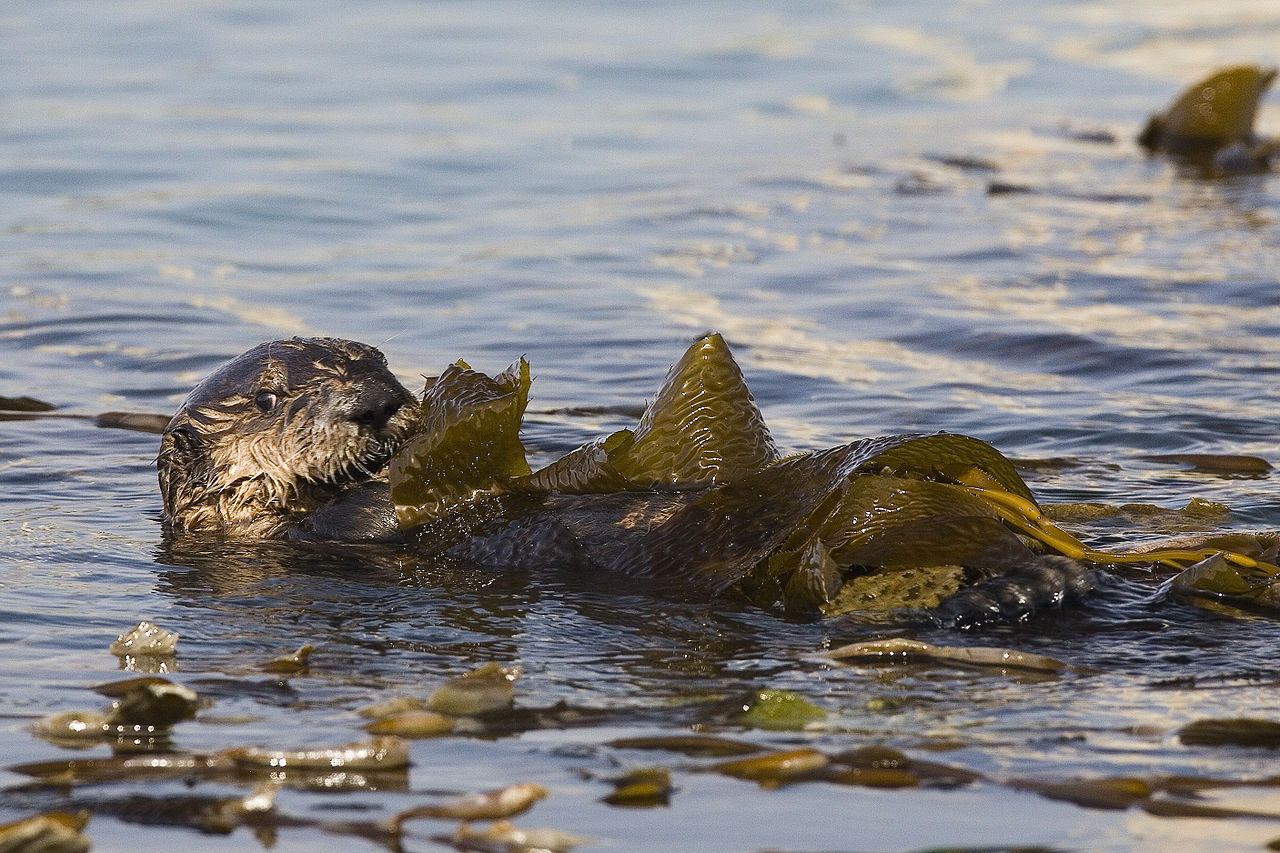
x: 277, y: 433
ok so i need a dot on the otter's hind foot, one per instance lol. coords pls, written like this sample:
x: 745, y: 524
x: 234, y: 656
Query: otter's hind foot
x: 1016, y: 595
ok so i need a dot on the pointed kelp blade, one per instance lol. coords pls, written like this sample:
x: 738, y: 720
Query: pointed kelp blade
x: 1212, y: 113
x: 702, y: 428
x: 466, y: 442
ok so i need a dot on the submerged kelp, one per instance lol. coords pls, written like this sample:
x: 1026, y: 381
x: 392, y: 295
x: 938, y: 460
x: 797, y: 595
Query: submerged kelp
x: 696, y: 495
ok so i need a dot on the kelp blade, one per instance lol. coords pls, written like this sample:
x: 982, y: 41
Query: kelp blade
x: 1214, y: 112
x: 721, y: 537
x: 702, y: 428
x: 466, y: 443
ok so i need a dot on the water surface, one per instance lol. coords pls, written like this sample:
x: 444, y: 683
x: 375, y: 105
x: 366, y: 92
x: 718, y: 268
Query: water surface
x: 593, y: 187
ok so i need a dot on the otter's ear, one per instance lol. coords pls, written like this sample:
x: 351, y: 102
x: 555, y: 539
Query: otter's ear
x: 182, y: 467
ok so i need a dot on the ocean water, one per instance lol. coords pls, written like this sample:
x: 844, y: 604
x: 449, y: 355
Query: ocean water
x: 593, y: 187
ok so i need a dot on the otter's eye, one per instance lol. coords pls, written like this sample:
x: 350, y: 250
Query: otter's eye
x: 266, y: 400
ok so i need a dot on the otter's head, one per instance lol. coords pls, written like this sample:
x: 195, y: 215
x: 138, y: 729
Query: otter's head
x: 276, y: 433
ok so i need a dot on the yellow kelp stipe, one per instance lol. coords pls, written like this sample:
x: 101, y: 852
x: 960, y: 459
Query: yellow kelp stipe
x: 1028, y: 518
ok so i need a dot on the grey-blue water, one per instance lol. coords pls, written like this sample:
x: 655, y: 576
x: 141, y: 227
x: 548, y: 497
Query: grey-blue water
x: 592, y: 186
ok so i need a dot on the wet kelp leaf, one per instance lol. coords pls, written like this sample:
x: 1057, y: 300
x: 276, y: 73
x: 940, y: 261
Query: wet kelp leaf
x: 484, y: 690
x: 644, y: 787
x: 465, y: 444
x: 1212, y: 113
x: 587, y: 470
x: 25, y: 404
x: 491, y: 805
x: 901, y: 649
x: 1222, y: 579
x: 1239, y: 731
x: 702, y: 428
x: 379, y: 753
x: 691, y: 745
x: 290, y: 664
x: 779, y: 710
x: 950, y: 456
x: 147, y: 707
x: 1215, y: 463
x: 1117, y: 793
x: 815, y: 578
x: 145, y: 639
x: 839, y: 495
x: 897, y: 588
x: 412, y: 724
x: 776, y: 768
x: 51, y: 832
x: 504, y: 836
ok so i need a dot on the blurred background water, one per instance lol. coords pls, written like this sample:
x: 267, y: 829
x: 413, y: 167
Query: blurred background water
x: 592, y: 187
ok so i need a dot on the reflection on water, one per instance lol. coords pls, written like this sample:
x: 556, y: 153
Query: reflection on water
x: 903, y: 217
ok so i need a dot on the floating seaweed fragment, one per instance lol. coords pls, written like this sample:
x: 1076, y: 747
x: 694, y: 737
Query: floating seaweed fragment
x: 290, y: 664
x: 484, y: 690
x: 25, y: 404
x: 123, y: 767
x: 379, y: 753
x: 776, y: 768
x: 1237, y: 731
x: 901, y: 649
x: 1211, y: 122
x: 142, y: 708
x: 51, y: 832
x: 1113, y: 793
x: 412, y: 725
x: 1215, y: 463
x: 146, y: 647
x: 507, y: 838
x: 643, y: 787
x: 779, y: 710
x: 391, y: 707
x: 491, y: 805
x: 1219, y: 578
x: 693, y: 745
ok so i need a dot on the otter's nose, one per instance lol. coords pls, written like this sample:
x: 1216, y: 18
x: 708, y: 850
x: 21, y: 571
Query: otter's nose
x: 375, y: 405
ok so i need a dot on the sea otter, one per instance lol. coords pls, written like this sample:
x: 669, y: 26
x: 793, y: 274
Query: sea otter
x: 290, y: 436
x: 314, y: 438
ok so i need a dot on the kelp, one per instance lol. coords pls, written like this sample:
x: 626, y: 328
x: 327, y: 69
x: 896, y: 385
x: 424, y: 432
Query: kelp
x: 702, y: 428
x: 779, y: 711
x: 643, y: 787
x: 1212, y: 116
x: 51, y: 832
x: 904, y: 519
x: 850, y: 499
x: 902, y: 649
x: 1219, y: 578
x: 1212, y: 112
x: 465, y: 443
x: 490, y: 805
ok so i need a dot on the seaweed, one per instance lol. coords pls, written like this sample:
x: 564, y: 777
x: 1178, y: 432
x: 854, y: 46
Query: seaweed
x: 903, y: 521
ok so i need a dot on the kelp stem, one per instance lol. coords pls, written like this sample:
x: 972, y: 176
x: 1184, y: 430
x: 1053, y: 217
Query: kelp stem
x: 1027, y: 517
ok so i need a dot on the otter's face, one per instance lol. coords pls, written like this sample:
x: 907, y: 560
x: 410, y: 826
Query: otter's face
x: 276, y: 433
